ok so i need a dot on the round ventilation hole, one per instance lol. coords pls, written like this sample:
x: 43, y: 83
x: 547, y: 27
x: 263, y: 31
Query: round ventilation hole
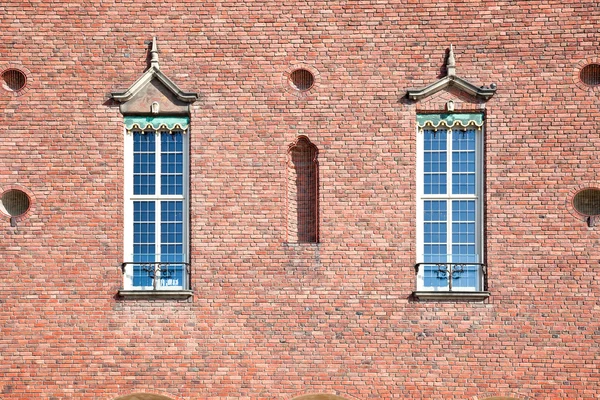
x: 14, y: 203
x: 13, y: 80
x: 590, y: 74
x: 587, y: 202
x: 302, y: 79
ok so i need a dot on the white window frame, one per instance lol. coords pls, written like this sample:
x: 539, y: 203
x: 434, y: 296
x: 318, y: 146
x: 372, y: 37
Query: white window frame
x: 479, y: 204
x: 157, y: 198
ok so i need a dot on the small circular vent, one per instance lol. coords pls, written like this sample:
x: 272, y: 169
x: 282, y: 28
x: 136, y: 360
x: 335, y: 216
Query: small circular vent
x: 13, y: 80
x: 14, y: 203
x: 590, y: 74
x: 587, y: 202
x: 302, y: 79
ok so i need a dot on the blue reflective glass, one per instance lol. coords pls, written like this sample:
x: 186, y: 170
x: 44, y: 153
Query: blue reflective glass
x: 172, y: 184
x: 463, y: 183
x: 434, y: 140
x: 171, y: 275
x: 144, y: 142
x: 463, y: 231
x: 435, y: 232
x: 463, y: 161
x: 143, y: 184
x: 465, y: 276
x: 463, y: 140
x: 434, y: 162
x: 172, y: 163
x: 435, y: 210
x: 143, y: 275
x: 144, y: 247
x: 463, y: 210
x: 435, y: 276
x: 434, y: 184
x: 172, y: 142
x: 172, y: 231
x: 144, y: 163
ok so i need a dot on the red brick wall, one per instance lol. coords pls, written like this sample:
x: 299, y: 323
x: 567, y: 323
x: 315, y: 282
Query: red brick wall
x: 270, y: 320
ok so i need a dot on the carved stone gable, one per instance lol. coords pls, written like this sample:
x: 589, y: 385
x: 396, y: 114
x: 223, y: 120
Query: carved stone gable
x: 154, y: 93
x: 451, y: 92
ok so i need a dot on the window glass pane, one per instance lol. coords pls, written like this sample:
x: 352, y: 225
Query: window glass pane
x: 172, y: 243
x: 435, y: 276
x: 434, y: 162
x: 463, y: 231
x: 435, y: 231
x: 171, y: 275
x: 463, y: 140
x: 463, y: 183
x: 463, y: 161
x: 171, y: 163
x: 144, y: 245
x: 465, y: 276
x: 434, y: 140
x: 144, y: 163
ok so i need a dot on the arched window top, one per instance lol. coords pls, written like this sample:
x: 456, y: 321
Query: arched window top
x: 303, y: 150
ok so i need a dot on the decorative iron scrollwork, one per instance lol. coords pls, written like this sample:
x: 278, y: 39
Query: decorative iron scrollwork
x: 452, y: 271
x: 161, y: 271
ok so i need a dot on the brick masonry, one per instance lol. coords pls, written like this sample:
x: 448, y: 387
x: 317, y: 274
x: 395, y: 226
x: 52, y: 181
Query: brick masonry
x: 271, y: 319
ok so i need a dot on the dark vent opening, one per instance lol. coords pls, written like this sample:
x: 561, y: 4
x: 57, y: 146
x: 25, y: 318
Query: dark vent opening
x: 13, y: 80
x: 587, y: 202
x: 302, y: 79
x: 14, y: 203
x: 590, y: 74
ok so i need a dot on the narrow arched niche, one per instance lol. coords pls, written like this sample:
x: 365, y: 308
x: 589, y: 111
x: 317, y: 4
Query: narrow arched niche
x: 143, y: 396
x: 303, y: 192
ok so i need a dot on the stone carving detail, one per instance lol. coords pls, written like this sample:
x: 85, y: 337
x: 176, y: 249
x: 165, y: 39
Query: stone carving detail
x: 154, y: 92
x: 451, y: 80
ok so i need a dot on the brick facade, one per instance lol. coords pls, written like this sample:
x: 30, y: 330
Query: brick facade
x: 269, y: 318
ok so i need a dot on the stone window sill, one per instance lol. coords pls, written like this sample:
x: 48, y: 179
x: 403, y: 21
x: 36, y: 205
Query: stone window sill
x: 156, y: 294
x: 445, y: 296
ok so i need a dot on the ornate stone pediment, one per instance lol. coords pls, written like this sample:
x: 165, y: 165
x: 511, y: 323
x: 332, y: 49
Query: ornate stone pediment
x: 454, y: 83
x: 154, y: 93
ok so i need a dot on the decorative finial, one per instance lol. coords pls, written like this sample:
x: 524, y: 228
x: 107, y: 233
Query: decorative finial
x: 154, y: 54
x: 451, y: 65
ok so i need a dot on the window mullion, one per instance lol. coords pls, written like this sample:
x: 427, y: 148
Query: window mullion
x: 449, y: 154
x: 158, y: 201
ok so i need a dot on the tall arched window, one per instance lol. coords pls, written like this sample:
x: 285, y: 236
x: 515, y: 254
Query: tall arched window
x: 303, y: 192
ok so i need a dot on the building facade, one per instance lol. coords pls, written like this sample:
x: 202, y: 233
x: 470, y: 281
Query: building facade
x: 320, y: 200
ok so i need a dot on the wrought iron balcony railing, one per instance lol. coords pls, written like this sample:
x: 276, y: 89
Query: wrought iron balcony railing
x: 475, y: 273
x: 156, y: 275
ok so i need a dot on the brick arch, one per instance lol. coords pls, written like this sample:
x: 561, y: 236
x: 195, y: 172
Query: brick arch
x: 144, y: 396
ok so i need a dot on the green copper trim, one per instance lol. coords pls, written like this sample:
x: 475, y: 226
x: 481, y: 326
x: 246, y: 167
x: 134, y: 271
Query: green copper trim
x: 163, y: 123
x: 448, y: 120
